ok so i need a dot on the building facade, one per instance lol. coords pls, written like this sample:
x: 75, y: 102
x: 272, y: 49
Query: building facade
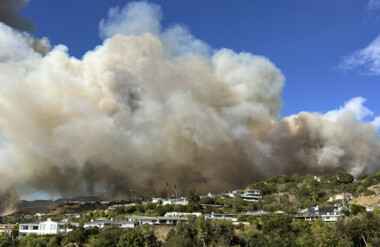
x: 46, y: 227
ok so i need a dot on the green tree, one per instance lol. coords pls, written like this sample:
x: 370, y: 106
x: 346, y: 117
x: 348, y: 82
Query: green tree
x: 345, y: 178
x: 304, y: 237
x: 167, y: 189
x: 76, y: 236
x: 204, y: 230
x: 184, y: 235
x: 223, y: 232
x: 54, y: 241
x: 328, y: 236
x: 150, y: 236
x: 34, y: 240
x: 192, y: 196
x: 131, y: 238
x: 5, y: 241
x: 278, y: 230
x: 356, y: 209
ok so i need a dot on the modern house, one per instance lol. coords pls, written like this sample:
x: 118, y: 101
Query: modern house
x: 105, y: 223
x: 178, y: 201
x: 208, y: 195
x: 46, y: 227
x: 165, y: 220
x: 328, y: 214
x: 215, y: 216
x: 246, y: 195
x: 180, y: 214
x: 255, y: 213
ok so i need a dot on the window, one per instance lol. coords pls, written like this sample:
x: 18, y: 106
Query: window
x: 24, y: 227
x: 35, y: 227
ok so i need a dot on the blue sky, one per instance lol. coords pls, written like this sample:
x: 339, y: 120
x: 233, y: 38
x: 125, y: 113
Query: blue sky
x: 318, y: 45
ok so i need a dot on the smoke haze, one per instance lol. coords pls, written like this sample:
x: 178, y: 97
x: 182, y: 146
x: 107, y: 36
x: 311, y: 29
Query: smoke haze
x: 153, y: 105
x: 9, y: 15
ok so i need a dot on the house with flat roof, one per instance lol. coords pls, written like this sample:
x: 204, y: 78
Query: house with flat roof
x: 216, y: 216
x: 105, y: 223
x: 177, y: 201
x: 328, y: 214
x: 163, y: 220
x: 247, y: 195
x: 46, y: 227
x: 180, y: 214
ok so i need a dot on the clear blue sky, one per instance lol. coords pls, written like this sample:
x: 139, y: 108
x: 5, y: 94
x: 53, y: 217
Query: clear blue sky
x: 306, y: 39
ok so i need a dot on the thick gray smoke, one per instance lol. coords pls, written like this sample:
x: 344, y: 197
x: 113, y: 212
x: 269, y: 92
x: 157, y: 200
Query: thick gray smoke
x: 9, y: 15
x: 155, y: 105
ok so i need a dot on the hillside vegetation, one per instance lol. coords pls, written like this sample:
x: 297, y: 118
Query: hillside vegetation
x: 288, y: 194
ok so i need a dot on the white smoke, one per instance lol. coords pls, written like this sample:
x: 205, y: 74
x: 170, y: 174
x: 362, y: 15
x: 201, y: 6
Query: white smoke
x: 152, y: 105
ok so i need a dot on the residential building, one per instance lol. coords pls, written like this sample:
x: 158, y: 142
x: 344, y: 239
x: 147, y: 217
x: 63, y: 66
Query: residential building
x: 328, y: 214
x: 46, y: 227
x: 180, y: 214
x: 255, y: 213
x: 6, y: 228
x: 178, y: 201
x: 215, y: 216
x: 208, y: 195
x: 105, y: 223
x: 346, y: 196
x: 172, y: 220
x: 246, y: 195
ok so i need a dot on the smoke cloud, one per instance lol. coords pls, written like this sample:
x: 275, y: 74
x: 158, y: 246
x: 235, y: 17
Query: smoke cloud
x: 9, y: 15
x: 153, y: 105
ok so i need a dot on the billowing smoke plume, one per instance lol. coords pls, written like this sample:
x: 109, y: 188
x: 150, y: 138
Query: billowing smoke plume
x: 155, y: 105
x: 9, y: 15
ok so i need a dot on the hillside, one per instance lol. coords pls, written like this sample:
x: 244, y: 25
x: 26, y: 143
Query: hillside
x: 72, y: 208
x: 370, y: 200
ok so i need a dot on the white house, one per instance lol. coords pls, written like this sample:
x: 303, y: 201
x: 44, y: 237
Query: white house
x: 104, y: 223
x: 144, y: 220
x: 178, y: 201
x: 208, y: 195
x: 328, y: 214
x: 179, y: 214
x: 246, y: 195
x: 215, y: 216
x: 346, y: 196
x: 45, y: 227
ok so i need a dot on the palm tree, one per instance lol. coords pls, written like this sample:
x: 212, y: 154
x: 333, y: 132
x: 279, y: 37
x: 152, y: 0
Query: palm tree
x: 132, y: 194
x: 175, y: 187
x: 153, y: 192
x: 167, y: 189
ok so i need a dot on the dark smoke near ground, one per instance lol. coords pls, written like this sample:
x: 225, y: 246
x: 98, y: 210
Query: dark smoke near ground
x: 9, y: 15
x: 151, y: 106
